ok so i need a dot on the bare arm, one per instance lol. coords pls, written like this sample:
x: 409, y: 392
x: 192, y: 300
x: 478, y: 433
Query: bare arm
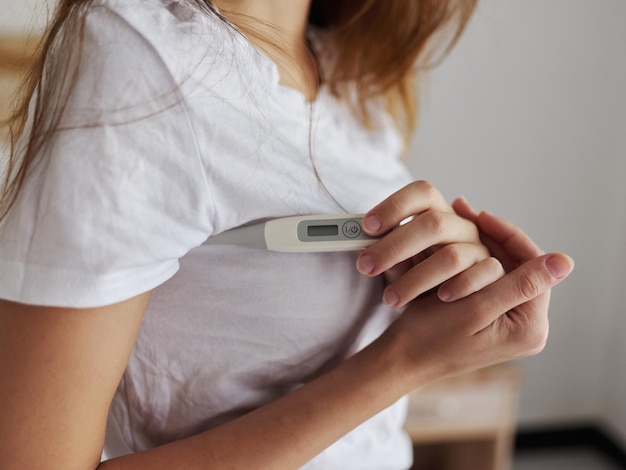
x: 59, y: 369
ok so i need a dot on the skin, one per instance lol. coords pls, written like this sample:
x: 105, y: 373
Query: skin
x: 432, y: 248
x: 59, y: 367
x: 284, y: 21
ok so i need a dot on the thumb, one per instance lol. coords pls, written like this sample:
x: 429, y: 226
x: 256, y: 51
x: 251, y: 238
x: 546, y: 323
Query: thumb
x: 527, y: 282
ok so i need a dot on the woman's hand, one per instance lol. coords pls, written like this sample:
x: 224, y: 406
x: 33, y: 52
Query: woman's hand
x: 425, y: 245
x: 508, y: 243
x: 507, y: 319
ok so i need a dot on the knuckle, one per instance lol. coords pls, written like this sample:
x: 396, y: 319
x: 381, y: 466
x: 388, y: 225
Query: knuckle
x: 495, y: 266
x: 530, y: 335
x: 529, y: 285
x: 533, y: 351
x: 536, y: 340
x: 435, y: 223
x: 452, y: 256
x: 397, y: 205
x: 424, y: 186
x: 425, y: 189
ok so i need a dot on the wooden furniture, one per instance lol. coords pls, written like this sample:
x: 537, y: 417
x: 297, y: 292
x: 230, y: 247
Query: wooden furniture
x: 466, y: 422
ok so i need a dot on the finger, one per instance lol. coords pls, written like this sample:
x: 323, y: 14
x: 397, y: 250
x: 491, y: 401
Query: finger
x: 505, y: 240
x: 464, y: 209
x: 511, y: 238
x: 446, y: 263
x: 527, y: 282
x: 508, y: 262
x: 397, y: 271
x: 413, y: 199
x: 424, y: 231
x: 480, y: 275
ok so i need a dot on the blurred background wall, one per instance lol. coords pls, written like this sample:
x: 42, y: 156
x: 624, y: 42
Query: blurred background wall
x: 527, y: 118
x: 20, y: 16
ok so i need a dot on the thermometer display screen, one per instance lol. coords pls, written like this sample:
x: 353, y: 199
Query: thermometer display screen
x: 322, y: 230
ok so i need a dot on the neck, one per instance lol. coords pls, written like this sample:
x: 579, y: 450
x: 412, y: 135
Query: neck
x: 289, y: 17
x: 279, y: 30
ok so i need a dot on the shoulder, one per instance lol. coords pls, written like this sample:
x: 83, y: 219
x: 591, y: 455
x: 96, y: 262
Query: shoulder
x: 143, y: 48
x: 129, y: 59
x: 180, y: 34
x: 160, y: 22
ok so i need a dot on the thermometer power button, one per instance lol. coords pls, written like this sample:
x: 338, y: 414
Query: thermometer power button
x: 351, y: 229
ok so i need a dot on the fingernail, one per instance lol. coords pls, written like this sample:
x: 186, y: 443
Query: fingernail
x: 391, y: 298
x: 371, y: 223
x: 444, y: 294
x: 559, y: 267
x: 365, y: 264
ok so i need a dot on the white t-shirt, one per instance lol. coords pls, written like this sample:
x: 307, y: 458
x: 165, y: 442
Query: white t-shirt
x: 178, y: 129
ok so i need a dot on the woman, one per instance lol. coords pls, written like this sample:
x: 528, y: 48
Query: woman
x: 154, y: 125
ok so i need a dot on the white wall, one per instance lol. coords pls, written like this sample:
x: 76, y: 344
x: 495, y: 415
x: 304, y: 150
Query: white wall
x: 526, y: 119
x: 615, y: 408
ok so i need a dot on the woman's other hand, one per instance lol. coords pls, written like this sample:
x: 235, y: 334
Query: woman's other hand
x: 505, y: 320
x: 425, y: 244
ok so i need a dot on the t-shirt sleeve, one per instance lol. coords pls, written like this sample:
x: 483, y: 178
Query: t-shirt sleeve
x: 118, y: 193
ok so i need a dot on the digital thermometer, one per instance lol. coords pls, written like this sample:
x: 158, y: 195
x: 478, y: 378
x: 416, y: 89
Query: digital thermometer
x: 301, y: 234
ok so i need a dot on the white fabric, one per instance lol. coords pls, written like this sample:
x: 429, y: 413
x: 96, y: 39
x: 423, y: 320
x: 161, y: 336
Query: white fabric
x: 178, y: 129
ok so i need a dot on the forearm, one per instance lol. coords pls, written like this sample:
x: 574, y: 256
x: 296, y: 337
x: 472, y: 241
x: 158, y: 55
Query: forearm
x: 291, y: 430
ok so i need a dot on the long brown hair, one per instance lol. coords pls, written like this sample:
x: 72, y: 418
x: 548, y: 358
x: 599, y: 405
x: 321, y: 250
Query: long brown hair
x: 378, y: 45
